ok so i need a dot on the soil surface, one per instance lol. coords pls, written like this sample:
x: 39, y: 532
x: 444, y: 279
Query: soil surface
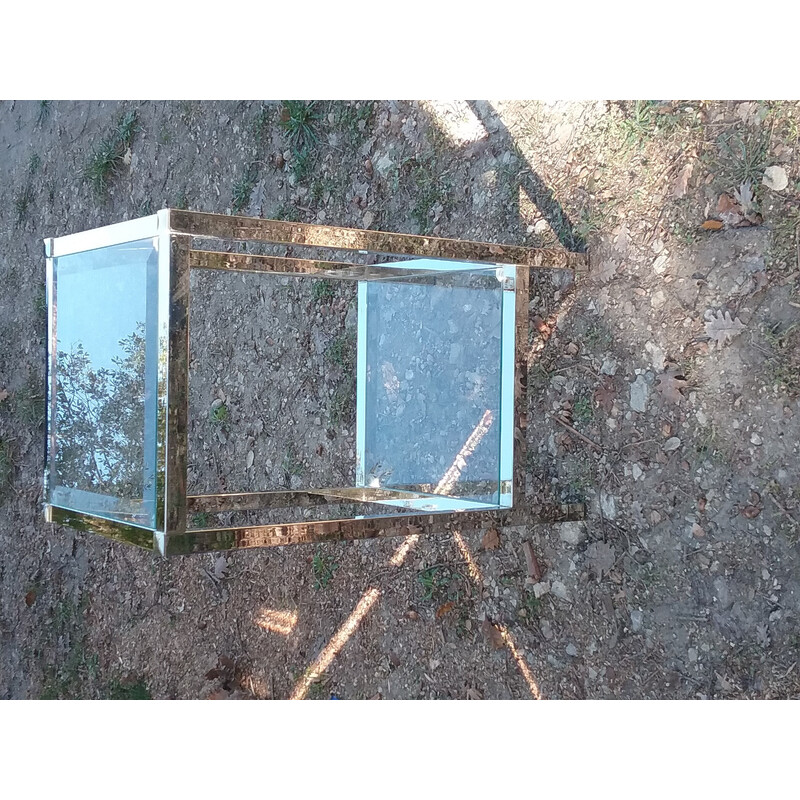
x: 663, y: 393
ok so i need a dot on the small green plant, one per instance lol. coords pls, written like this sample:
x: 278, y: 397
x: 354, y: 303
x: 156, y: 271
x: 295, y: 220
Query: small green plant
x: 784, y: 364
x: 22, y: 203
x: 341, y: 408
x: 44, y: 112
x: 322, y: 291
x: 299, y: 120
x: 109, y: 156
x: 200, y: 520
x: 181, y: 199
x: 261, y: 121
x: 340, y: 350
x: 353, y: 118
x: 532, y: 605
x: 323, y: 568
x: 6, y: 464
x: 432, y: 189
x: 435, y: 582
x: 291, y: 464
x: 582, y: 410
x: 302, y: 163
x: 743, y: 157
x: 34, y: 163
x: 30, y: 406
x: 243, y: 189
x: 126, y: 690
x: 219, y: 414
x: 287, y: 212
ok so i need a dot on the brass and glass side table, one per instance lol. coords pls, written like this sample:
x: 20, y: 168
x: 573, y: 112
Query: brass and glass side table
x: 118, y: 375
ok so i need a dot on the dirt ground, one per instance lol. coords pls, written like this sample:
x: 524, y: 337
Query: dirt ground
x: 663, y: 393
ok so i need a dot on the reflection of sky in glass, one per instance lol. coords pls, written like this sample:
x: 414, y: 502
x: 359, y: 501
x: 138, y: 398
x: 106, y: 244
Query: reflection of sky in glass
x: 101, y: 299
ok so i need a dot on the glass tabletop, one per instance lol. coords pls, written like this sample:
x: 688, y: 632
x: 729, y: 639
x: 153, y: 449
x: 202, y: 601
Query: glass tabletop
x: 435, y: 384
x: 103, y: 412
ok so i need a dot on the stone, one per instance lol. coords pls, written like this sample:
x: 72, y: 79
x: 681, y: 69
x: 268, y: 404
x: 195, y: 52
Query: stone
x: 541, y: 589
x: 640, y: 392
x: 608, y: 505
x: 559, y: 590
x: 756, y: 440
x: 609, y: 367
x: 637, y: 620
x: 541, y: 226
x: 572, y: 650
x: 775, y: 178
x: 673, y: 443
x: 572, y: 533
x: 723, y: 593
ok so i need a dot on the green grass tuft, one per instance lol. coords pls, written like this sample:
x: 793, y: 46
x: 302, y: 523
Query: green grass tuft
x: 323, y: 568
x: 108, y: 158
x: 299, y: 119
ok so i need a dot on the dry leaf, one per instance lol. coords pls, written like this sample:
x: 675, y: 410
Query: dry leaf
x: 701, y: 504
x: 250, y: 458
x: 491, y: 540
x: 127, y: 158
x: 744, y: 197
x: 622, y: 239
x: 721, y: 327
x: 446, y: 608
x: 669, y: 385
x: 30, y: 598
x: 751, y: 512
x: 412, y: 615
x: 492, y: 634
x: 474, y: 694
x: 711, y: 225
x: 571, y: 349
x: 697, y: 531
x: 220, y: 568
x: 604, y: 396
x: 601, y: 557
x: 605, y: 270
x: 3, y: 394
x: 219, y: 694
x: 682, y: 181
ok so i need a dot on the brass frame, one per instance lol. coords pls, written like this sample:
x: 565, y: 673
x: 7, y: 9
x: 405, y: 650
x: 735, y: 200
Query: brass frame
x: 176, y: 230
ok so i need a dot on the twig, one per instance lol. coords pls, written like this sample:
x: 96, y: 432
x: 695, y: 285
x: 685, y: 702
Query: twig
x: 784, y: 510
x: 644, y: 441
x: 579, y: 435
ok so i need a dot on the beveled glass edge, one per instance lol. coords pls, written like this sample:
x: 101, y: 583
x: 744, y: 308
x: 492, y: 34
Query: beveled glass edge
x: 361, y: 384
x: 508, y: 349
x: 49, y: 462
x: 106, y: 236
x: 111, y: 529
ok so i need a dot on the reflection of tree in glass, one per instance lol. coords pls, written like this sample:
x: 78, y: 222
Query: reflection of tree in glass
x: 100, y: 418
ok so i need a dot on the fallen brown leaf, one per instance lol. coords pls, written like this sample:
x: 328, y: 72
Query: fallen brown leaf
x: 445, y: 609
x: 712, y: 225
x: 491, y: 540
x: 701, y: 504
x: 3, y: 394
x: 604, y: 395
x: 30, y: 598
x: 722, y: 327
x: 751, y: 512
x: 697, y: 531
x: 492, y: 634
x: 669, y: 385
x: 412, y: 615
x: 682, y: 181
x: 219, y: 694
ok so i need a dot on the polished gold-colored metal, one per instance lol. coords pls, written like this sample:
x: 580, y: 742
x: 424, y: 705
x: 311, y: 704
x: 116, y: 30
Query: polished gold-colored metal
x: 221, y: 226
x: 209, y: 539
